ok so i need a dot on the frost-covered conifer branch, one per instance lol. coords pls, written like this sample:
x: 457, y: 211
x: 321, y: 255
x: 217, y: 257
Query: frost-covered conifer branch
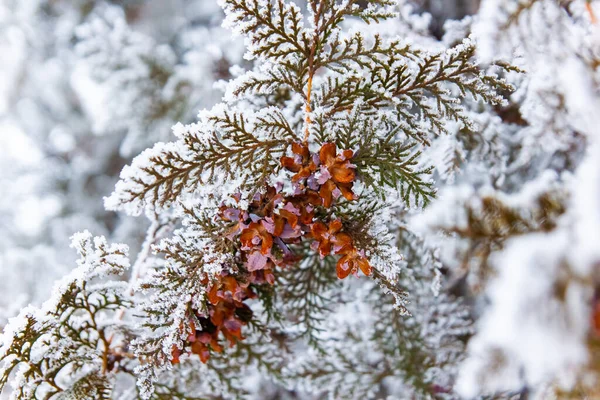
x: 403, y: 80
x: 72, y: 331
x: 289, y: 186
x: 273, y: 27
x: 284, y: 170
x: 77, y: 345
x: 224, y: 148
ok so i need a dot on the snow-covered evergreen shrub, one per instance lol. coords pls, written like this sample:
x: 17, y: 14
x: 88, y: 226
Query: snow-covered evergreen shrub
x: 349, y: 141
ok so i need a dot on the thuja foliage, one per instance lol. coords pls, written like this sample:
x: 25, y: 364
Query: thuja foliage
x: 71, y: 334
x: 76, y: 344
x: 276, y: 196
